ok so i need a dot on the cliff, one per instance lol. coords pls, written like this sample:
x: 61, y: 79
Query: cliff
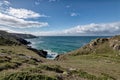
x: 98, y: 60
x: 14, y: 39
x: 97, y: 46
x: 24, y: 36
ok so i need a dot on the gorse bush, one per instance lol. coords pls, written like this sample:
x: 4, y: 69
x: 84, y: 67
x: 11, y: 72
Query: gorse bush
x: 8, y: 65
x: 26, y: 76
x: 55, y: 68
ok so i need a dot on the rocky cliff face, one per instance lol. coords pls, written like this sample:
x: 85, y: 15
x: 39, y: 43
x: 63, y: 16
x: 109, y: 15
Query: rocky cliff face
x: 9, y: 39
x: 98, y: 60
x: 24, y: 36
x: 97, y: 46
x: 39, y: 52
x: 13, y: 38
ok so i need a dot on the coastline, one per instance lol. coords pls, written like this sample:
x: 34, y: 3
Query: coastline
x: 95, y: 59
x: 48, y: 53
x: 56, y: 45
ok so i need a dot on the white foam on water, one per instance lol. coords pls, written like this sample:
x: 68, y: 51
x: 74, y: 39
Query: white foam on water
x: 51, y: 55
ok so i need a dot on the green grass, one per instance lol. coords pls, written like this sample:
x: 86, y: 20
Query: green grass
x: 8, y: 65
x: 93, y: 65
x: 11, y: 57
x: 26, y: 76
x: 7, y: 41
x: 7, y: 51
x: 33, y: 70
x: 4, y: 59
x: 100, y: 62
x: 55, y: 68
x: 18, y: 50
x: 93, y: 77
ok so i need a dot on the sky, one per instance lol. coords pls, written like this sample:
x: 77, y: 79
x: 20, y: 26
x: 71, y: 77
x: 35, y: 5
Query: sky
x: 61, y: 17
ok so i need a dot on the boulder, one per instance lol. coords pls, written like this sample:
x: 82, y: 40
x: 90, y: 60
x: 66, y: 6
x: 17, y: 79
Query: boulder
x: 116, y: 47
x: 23, y: 41
x: 115, y: 44
x: 41, y: 53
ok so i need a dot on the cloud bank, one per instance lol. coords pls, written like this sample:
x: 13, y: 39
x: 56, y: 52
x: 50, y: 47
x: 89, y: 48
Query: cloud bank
x: 10, y: 21
x: 23, y: 13
x: 18, y: 18
x: 103, y: 29
x: 95, y: 29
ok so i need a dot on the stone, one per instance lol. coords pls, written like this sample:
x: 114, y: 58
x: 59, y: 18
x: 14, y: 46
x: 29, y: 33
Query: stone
x: 116, y: 47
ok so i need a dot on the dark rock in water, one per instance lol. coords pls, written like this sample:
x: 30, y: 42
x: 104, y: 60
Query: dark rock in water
x: 39, y: 52
x: 57, y: 57
x: 44, y: 52
x: 23, y: 41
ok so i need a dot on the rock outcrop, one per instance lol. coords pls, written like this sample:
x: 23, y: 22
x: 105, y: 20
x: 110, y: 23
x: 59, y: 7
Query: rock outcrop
x: 13, y: 38
x: 24, y: 36
x: 97, y: 46
x: 39, y: 52
x: 18, y: 39
x: 115, y: 42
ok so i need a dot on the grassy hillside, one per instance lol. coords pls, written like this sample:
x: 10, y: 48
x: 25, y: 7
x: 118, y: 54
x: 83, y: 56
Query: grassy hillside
x: 100, y: 56
x: 98, y: 60
x: 17, y: 60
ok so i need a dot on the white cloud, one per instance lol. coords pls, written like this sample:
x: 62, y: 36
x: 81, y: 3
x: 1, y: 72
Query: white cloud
x: 48, y: 33
x: 104, y: 29
x: 37, y: 3
x: 18, y: 18
x: 23, y: 13
x: 52, y: 0
x: 4, y: 5
x: 7, y: 29
x: 7, y: 2
x: 6, y: 20
x: 92, y: 29
x: 74, y: 14
x: 4, y: 2
x: 68, y: 6
x: 95, y: 29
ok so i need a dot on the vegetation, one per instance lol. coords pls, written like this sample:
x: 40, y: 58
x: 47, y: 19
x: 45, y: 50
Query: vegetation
x: 98, y: 60
x: 55, y: 68
x: 26, y: 76
x: 93, y: 77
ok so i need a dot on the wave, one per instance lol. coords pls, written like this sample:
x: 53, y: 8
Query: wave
x: 51, y: 55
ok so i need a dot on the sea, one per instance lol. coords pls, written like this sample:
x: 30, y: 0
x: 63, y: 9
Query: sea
x: 55, y: 45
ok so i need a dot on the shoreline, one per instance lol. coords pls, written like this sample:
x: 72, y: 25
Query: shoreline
x: 48, y: 53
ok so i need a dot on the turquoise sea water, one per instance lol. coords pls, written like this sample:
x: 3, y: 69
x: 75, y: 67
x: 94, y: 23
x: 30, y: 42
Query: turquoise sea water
x: 61, y: 44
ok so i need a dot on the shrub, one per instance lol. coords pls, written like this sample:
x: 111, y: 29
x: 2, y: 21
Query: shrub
x: 27, y: 76
x: 55, y: 68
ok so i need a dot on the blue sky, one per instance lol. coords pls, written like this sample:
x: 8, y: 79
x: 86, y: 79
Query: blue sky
x: 61, y: 17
